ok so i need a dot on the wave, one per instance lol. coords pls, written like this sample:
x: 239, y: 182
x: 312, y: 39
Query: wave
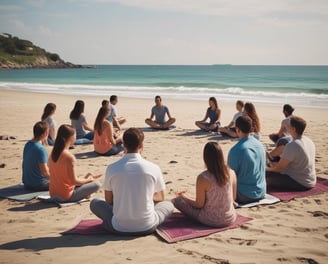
x: 178, y: 92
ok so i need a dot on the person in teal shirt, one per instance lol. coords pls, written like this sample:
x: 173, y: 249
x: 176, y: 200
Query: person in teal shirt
x: 35, y: 160
x: 247, y: 159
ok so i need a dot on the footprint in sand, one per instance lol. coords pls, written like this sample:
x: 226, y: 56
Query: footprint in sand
x: 202, y: 256
x: 318, y: 213
x: 240, y: 241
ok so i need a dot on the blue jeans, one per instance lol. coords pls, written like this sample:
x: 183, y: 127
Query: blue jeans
x: 104, y: 211
x: 114, y: 150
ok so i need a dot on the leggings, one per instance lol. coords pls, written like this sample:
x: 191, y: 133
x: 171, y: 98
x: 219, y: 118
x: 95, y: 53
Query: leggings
x: 104, y: 211
x: 81, y: 192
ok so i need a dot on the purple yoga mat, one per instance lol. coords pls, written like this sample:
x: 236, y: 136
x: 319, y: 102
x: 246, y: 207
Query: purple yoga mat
x: 87, y: 227
x: 178, y: 227
x: 320, y: 187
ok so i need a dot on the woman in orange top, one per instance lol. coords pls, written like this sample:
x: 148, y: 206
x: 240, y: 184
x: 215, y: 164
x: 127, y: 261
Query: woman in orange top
x: 65, y: 186
x: 104, y: 141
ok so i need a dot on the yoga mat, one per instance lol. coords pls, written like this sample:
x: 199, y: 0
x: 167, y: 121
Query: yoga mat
x: 47, y: 199
x: 320, y: 187
x: 268, y: 199
x: 178, y: 227
x: 154, y: 129
x: 19, y: 193
x: 87, y: 227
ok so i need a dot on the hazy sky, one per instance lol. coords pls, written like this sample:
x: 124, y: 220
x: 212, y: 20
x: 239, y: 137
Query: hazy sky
x: 173, y: 31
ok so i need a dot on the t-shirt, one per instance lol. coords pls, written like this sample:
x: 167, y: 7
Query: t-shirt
x: 78, y: 125
x: 113, y: 113
x: 301, y: 154
x: 34, y: 154
x: 51, y: 123
x: 235, y: 116
x: 285, y: 123
x: 247, y: 159
x: 133, y: 181
x: 160, y: 113
x: 60, y: 182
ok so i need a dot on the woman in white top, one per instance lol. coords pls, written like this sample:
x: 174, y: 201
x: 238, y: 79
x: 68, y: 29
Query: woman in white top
x: 47, y: 116
x: 79, y: 122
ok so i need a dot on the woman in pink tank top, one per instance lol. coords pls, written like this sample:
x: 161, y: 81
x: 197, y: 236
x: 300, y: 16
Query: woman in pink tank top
x: 215, y: 191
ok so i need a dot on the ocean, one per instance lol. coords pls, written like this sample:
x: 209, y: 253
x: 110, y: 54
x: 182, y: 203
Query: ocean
x: 297, y: 85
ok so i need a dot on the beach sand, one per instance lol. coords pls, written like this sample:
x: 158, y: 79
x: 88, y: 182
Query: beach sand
x: 292, y: 232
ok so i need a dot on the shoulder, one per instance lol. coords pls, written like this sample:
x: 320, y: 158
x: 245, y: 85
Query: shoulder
x: 68, y: 155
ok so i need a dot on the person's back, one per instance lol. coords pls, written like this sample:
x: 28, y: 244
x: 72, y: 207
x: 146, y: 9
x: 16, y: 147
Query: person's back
x: 61, y: 184
x: 101, y: 142
x: 78, y: 125
x: 249, y: 167
x: 35, y: 172
x: 134, y: 192
x: 218, y: 209
x: 301, y: 153
x: 134, y: 181
x: 247, y: 159
x: 34, y: 153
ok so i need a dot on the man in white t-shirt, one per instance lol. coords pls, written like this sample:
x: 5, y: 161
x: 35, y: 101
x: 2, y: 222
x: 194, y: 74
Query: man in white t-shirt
x: 134, y: 192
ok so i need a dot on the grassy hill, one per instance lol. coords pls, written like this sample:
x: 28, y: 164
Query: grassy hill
x: 18, y: 53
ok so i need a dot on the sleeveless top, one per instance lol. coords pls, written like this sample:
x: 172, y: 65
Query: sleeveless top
x: 212, y: 114
x: 218, y: 210
x: 102, y: 143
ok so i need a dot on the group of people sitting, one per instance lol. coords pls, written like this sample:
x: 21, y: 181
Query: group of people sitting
x: 134, y: 199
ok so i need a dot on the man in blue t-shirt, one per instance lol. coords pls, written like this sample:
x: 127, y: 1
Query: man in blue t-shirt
x: 247, y: 159
x: 35, y: 158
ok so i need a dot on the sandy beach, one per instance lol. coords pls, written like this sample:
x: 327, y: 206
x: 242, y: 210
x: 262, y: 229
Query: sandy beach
x: 292, y: 232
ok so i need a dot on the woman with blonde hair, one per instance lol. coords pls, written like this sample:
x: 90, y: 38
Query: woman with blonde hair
x: 65, y: 185
x: 105, y: 141
x: 215, y: 191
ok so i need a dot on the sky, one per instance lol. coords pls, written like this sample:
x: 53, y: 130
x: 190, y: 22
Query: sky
x: 187, y: 32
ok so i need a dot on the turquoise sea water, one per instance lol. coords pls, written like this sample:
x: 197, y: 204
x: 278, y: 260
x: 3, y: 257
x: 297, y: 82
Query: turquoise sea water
x: 298, y: 85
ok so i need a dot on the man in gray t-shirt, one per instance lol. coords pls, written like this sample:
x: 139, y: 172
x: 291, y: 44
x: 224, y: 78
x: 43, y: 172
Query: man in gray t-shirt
x: 159, y: 111
x: 296, y: 167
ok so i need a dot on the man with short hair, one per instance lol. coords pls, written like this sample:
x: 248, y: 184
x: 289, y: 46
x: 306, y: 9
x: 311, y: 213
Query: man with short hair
x: 113, y: 116
x: 35, y: 160
x: 247, y: 159
x: 159, y: 111
x: 134, y: 192
x: 296, y: 167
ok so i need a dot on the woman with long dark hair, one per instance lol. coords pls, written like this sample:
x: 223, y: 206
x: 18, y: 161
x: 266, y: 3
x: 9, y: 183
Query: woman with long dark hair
x: 105, y: 141
x: 65, y: 185
x: 249, y: 110
x: 213, y: 113
x: 79, y: 122
x: 47, y: 116
x: 215, y: 191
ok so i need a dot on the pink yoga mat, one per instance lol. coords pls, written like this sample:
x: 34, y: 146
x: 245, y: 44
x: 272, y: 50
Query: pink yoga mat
x: 320, y: 187
x: 87, y: 227
x: 178, y: 227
